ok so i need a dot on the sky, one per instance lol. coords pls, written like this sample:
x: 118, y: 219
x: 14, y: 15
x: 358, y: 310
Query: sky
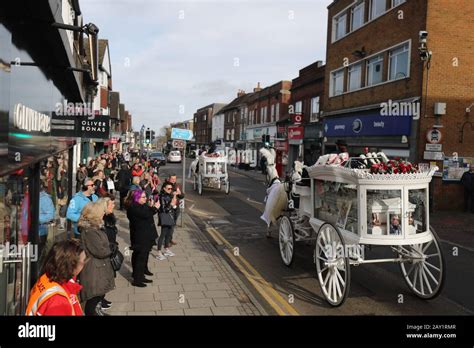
x: 172, y: 57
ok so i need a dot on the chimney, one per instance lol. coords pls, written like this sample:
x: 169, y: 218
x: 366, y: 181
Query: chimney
x: 240, y: 93
x: 257, y: 89
x: 319, y: 63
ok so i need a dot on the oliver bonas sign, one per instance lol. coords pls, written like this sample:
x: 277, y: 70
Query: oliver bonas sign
x: 84, y: 127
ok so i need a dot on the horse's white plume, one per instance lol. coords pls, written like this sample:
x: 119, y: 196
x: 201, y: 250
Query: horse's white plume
x: 270, y: 155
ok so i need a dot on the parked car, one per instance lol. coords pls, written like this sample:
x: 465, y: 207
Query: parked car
x: 174, y: 157
x: 159, y: 157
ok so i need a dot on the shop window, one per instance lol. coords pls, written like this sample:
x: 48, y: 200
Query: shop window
x: 15, y: 224
x: 54, y: 195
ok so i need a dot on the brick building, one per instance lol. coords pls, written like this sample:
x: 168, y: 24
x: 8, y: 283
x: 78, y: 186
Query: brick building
x: 265, y: 107
x: 307, y: 94
x: 233, y: 117
x: 203, y: 123
x: 381, y: 94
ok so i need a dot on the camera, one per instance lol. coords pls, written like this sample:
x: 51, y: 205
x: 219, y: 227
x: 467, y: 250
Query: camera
x: 423, y: 35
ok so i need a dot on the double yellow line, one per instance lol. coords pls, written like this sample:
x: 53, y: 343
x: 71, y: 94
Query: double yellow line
x: 268, y: 292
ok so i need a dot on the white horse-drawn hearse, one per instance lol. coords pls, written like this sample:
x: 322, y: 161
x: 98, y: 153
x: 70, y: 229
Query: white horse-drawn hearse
x: 343, y: 209
x: 210, y: 170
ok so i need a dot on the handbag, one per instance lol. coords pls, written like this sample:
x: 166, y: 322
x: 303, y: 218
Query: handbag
x: 166, y: 220
x: 116, y: 259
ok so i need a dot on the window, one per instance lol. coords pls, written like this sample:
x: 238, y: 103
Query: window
x: 298, y: 107
x: 374, y: 70
x: 337, y: 82
x: 204, y: 117
x: 397, y: 2
x: 357, y: 16
x: 340, y: 26
x: 314, y: 109
x: 272, y: 113
x: 377, y: 8
x: 277, y: 111
x: 355, y: 77
x: 398, y: 63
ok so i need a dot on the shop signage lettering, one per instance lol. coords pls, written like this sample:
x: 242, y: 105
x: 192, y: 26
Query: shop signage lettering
x: 30, y: 120
x: 371, y: 124
x: 93, y: 126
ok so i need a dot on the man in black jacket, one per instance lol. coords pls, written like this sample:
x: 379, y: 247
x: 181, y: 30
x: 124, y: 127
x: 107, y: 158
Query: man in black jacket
x: 467, y: 180
x: 124, y: 181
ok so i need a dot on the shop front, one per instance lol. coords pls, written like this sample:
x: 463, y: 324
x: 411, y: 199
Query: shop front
x: 32, y: 160
x: 394, y: 135
x: 313, y: 136
x: 295, y: 142
x: 281, y: 147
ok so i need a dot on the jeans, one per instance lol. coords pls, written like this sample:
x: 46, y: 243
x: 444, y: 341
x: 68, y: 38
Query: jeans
x: 165, y: 235
x: 91, y: 304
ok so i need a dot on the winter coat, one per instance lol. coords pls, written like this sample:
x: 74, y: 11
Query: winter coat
x: 110, y: 228
x: 46, y: 212
x: 142, y: 226
x: 97, y: 276
x: 124, y: 180
x: 165, y: 205
x: 76, y: 205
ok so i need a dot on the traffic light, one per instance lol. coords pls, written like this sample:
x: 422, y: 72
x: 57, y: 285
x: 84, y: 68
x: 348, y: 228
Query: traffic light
x: 148, y: 137
x: 266, y: 139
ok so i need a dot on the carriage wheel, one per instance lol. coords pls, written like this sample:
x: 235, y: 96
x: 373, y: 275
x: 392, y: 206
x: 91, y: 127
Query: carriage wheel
x: 286, y: 239
x: 227, y: 187
x: 424, y: 270
x: 332, y: 265
x: 199, y: 184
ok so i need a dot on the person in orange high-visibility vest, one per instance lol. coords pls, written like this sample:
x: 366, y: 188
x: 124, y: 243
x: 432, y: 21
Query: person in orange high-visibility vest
x: 55, y: 293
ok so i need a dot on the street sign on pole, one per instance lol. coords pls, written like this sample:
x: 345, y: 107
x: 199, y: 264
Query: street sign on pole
x: 179, y: 144
x: 181, y: 134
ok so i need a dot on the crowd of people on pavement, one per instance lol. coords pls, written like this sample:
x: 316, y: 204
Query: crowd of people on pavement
x: 82, y: 269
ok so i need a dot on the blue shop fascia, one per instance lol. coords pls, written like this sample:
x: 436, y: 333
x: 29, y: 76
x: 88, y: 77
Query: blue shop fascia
x: 371, y: 127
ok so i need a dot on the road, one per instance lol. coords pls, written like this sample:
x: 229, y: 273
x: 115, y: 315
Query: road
x: 232, y: 222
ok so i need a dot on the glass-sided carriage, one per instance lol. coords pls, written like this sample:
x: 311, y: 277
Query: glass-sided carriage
x: 212, y: 173
x: 344, y: 210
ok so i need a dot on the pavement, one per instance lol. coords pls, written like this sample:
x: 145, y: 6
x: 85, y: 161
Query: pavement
x: 197, y: 281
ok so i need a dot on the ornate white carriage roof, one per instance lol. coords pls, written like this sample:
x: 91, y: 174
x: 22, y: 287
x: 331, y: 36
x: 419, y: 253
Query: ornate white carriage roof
x: 363, y: 176
x: 207, y: 159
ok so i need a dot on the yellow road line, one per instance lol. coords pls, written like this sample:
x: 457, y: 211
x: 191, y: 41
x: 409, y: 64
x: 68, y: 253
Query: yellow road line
x: 255, y: 284
x: 281, y: 306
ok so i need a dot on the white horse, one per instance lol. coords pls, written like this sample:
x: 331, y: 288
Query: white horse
x: 277, y: 196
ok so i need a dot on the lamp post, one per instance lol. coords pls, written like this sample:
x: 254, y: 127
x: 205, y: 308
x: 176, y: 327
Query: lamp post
x: 142, y: 130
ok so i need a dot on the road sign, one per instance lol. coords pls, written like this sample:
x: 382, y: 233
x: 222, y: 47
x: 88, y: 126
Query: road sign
x: 179, y: 144
x: 181, y: 134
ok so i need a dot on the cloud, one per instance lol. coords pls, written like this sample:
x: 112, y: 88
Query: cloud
x: 196, y: 52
